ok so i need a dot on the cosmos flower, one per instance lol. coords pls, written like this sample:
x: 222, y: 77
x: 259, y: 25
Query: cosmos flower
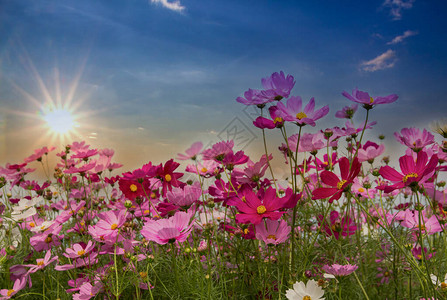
x: 192, y: 152
x: 414, y: 139
x: 41, y: 262
x: 276, y: 120
x: 294, y: 112
x: 175, y: 229
x: 339, y: 226
x: 369, y: 151
x: 185, y: 196
x: 368, y: 101
x: 336, y: 185
x: 339, y: 270
x: 18, y: 285
x: 346, y: 112
x: 310, y: 290
x: 272, y: 232
x: 277, y: 86
x: 413, y: 172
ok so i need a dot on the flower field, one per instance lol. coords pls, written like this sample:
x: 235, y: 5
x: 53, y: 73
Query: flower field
x: 345, y: 224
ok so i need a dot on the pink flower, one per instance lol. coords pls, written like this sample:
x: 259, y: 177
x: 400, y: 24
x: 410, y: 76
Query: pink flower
x: 192, y: 152
x: 276, y: 122
x: 384, y: 274
x: 277, y: 86
x: 346, y: 112
x: 254, y: 171
x: 301, y: 116
x: 338, y: 226
x: 41, y: 262
x: 426, y: 226
x: 272, y: 232
x: 109, y: 224
x: 368, y: 101
x: 18, y: 285
x: 414, y: 138
x: 339, y: 270
x: 218, y: 151
x: 369, y: 151
x: 38, y: 153
x: 79, y: 250
x: 413, y: 172
x: 186, y: 196
x: 175, y: 229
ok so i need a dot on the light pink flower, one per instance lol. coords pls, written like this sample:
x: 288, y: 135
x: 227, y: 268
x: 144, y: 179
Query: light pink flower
x: 339, y: 270
x: 272, y: 232
x: 175, y: 229
x: 414, y: 138
x: 191, y: 152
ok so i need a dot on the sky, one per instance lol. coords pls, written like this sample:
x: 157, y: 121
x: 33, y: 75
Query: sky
x: 148, y: 78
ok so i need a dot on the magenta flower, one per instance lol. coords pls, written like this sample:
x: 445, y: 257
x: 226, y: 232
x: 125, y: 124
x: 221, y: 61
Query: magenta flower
x: 175, y: 229
x: 168, y: 177
x: 339, y: 270
x: 413, y: 172
x: 294, y: 111
x: 369, y: 151
x: 192, y: 152
x: 255, y: 207
x: 368, y: 101
x: 338, y: 226
x: 272, y: 232
x: 346, y: 112
x: 414, y: 138
x: 384, y: 275
x: 336, y: 185
x: 253, y: 97
x: 276, y: 120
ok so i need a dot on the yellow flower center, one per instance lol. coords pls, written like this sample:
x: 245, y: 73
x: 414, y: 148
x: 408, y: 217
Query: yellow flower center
x: 81, y: 252
x: 32, y: 224
x: 114, y: 226
x: 133, y: 188
x: 48, y: 240
x: 40, y: 263
x: 204, y: 170
x: 168, y: 177
x: 371, y: 100
x: 409, y: 175
x: 422, y: 227
x: 301, y: 115
x: 361, y: 190
x: 10, y: 292
x: 246, y: 231
x: 243, y: 199
x: 146, y: 211
x: 386, y: 274
x: 143, y: 274
x: 278, y: 120
x: 261, y: 209
x: 272, y: 237
x: 153, y: 195
x: 307, y: 298
x: 443, y: 285
x: 340, y: 184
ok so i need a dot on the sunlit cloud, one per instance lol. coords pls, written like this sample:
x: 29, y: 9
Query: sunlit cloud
x: 175, y: 5
x: 399, y: 39
x: 383, y: 61
x: 396, y: 7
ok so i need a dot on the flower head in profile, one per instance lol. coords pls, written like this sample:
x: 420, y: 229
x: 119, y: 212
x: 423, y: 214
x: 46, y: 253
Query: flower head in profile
x: 368, y: 101
x: 347, y: 112
x: 18, y: 285
x: 339, y: 270
x: 175, y: 229
x: 309, y: 291
x: 277, y: 86
x: 192, y: 152
x: 414, y: 139
x: 440, y: 127
x: 294, y: 111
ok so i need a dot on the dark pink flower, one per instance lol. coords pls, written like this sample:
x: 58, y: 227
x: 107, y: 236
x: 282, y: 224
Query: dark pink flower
x: 168, y: 177
x: 343, y: 226
x: 276, y: 120
x: 336, y: 185
x: 413, y: 172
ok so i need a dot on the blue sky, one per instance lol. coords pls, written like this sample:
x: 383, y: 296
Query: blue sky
x: 154, y: 76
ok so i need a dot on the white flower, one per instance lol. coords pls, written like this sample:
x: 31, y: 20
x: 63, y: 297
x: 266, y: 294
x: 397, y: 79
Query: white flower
x: 438, y: 281
x: 310, y: 291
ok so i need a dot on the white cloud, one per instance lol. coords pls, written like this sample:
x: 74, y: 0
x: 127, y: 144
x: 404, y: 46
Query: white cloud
x: 400, y: 38
x: 396, y: 7
x: 175, y: 5
x: 383, y: 61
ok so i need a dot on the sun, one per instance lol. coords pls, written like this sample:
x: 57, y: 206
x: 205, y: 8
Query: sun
x: 59, y: 120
